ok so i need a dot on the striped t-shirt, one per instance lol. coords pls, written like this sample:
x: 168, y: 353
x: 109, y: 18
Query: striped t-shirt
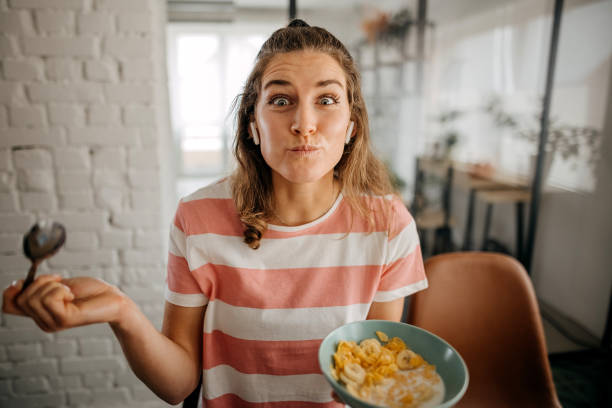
x: 269, y: 309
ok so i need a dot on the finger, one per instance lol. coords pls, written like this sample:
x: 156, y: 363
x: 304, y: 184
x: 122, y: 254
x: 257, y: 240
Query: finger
x: 24, y: 299
x: 8, y: 298
x: 38, y: 282
x: 56, y: 302
x: 41, y: 323
x: 37, y: 307
x: 27, y: 311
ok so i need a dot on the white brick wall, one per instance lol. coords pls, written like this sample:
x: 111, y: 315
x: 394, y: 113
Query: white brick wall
x: 63, y: 68
x: 23, y: 70
x: 8, y: 47
x: 78, y: 100
x: 95, y: 23
x: 63, y: 114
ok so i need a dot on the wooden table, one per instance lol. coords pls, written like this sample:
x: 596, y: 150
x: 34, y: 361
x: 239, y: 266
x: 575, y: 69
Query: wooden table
x: 492, y: 187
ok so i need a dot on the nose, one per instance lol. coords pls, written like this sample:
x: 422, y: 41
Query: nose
x: 304, y: 122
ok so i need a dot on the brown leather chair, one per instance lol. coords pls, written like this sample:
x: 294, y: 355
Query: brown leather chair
x: 484, y: 305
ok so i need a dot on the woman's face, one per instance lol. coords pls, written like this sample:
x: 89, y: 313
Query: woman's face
x: 302, y: 115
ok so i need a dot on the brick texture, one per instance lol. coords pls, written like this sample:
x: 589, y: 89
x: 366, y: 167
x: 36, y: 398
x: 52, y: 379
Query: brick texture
x: 78, y: 102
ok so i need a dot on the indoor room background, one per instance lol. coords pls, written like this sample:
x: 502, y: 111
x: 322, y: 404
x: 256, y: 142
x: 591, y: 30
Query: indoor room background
x: 112, y: 110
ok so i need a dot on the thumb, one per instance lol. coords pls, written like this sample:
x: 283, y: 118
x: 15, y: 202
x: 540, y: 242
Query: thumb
x: 68, y: 295
x: 336, y: 397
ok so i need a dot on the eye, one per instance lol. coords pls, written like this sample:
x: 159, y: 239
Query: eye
x: 279, y: 101
x: 328, y: 100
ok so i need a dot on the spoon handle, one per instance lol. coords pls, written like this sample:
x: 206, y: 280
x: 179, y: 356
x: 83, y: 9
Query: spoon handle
x: 30, y: 277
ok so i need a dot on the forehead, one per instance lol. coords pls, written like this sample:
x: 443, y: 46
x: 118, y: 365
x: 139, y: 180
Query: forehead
x: 303, y: 67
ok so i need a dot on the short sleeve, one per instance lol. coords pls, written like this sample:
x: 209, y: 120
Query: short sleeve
x: 403, y: 272
x: 182, y: 289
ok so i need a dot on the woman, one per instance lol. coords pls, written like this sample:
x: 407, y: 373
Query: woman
x: 304, y: 237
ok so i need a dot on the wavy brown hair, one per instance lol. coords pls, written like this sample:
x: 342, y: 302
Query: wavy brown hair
x: 358, y: 171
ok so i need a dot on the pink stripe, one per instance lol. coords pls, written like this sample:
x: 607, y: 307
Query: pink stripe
x: 290, y: 288
x: 203, y: 217
x: 401, y: 218
x: 178, y: 219
x: 403, y: 272
x: 261, y: 357
x: 210, y: 215
x: 179, y: 278
x: 232, y: 401
x: 342, y: 220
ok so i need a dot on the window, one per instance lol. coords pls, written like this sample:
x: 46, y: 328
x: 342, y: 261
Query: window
x: 207, y: 67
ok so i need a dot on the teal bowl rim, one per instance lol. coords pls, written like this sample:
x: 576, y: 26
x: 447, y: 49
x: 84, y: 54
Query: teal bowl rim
x: 445, y: 404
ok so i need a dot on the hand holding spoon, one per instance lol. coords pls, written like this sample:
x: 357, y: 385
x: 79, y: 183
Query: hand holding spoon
x: 42, y: 241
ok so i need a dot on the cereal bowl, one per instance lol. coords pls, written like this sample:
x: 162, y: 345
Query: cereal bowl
x: 449, y: 364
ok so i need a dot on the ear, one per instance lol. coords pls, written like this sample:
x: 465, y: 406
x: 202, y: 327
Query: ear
x: 349, y: 132
x: 254, y: 133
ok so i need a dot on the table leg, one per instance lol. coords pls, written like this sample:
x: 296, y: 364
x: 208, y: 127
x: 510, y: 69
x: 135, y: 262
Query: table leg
x: 519, y: 231
x: 467, y: 237
x: 487, y: 226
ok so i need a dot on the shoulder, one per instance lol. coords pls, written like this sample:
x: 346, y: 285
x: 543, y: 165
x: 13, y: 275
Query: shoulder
x: 205, y: 206
x: 220, y: 189
x: 388, y: 212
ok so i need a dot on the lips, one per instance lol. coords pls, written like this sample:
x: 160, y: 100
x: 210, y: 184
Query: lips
x: 304, y: 148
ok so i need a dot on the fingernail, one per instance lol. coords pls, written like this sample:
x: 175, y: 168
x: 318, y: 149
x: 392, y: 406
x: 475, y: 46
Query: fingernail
x: 13, y: 283
x: 67, y: 288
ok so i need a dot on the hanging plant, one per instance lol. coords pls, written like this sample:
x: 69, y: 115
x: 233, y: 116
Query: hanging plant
x: 571, y: 142
x: 388, y: 28
x: 397, y: 27
x: 375, y: 25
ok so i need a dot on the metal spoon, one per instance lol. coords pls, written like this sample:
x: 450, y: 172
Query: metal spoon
x: 43, y: 240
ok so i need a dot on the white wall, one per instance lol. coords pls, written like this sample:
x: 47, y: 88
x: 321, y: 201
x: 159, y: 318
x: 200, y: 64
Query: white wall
x: 83, y: 114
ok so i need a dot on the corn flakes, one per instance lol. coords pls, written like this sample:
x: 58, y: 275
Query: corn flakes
x: 386, y: 372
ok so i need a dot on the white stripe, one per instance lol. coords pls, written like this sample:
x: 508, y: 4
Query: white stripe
x: 177, y: 242
x: 402, y: 244
x: 218, y: 189
x: 310, y: 224
x: 190, y: 300
x: 354, y: 249
x: 387, y: 296
x: 280, y: 324
x: 224, y: 379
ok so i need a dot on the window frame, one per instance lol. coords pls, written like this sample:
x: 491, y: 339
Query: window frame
x: 224, y: 30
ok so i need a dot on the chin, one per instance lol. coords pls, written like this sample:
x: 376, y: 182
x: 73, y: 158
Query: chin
x: 302, y: 177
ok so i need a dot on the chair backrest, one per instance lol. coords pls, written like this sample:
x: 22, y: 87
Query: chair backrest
x: 484, y: 305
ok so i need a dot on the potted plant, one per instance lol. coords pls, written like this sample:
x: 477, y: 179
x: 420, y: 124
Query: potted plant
x: 449, y: 136
x: 577, y: 143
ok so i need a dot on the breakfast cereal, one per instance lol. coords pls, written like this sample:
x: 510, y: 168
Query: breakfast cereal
x: 386, y: 372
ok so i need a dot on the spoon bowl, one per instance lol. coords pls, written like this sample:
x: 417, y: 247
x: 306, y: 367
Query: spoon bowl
x: 43, y: 240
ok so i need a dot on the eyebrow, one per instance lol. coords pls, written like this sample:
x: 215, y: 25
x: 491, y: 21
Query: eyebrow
x: 319, y: 84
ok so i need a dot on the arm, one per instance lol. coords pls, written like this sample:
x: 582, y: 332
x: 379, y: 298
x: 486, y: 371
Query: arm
x: 387, y: 310
x: 167, y: 362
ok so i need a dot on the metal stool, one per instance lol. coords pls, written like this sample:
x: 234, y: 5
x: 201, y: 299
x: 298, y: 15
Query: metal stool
x: 474, y: 185
x: 518, y: 197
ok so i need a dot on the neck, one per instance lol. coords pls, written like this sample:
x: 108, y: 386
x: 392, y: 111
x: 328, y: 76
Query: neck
x: 298, y: 204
